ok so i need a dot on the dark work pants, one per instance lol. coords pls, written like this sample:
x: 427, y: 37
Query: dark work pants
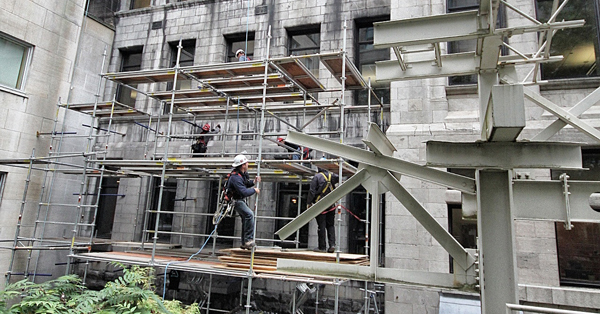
x: 326, y: 225
x: 247, y: 220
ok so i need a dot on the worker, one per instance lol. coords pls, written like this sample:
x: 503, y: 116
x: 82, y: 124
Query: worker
x: 322, y: 184
x: 297, y: 151
x: 199, y: 148
x: 242, y: 187
x: 241, y: 55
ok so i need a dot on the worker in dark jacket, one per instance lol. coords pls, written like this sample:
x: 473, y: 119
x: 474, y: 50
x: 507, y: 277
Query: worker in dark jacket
x: 199, y: 148
x: 320, y: 185
x: 242, y: 187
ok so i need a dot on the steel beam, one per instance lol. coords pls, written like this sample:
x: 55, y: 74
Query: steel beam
x: 544, y: 200
x: 498, y: 266
x: 443, y: 178
x: 427, y: 30
x: 365, y: 273
x: 565, y: 116
x: 454, y: 64
x: 505, y: 118
x: 378, y: 142
x: 504, y: 155
x: 441, y: 235
x: 576, y: 110
x: 323, y: 204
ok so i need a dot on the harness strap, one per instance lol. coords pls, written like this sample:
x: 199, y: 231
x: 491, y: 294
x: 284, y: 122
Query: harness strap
x: 328, y: 185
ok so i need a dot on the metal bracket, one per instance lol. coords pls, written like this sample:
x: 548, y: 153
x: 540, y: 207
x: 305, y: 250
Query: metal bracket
x: 564, y: 177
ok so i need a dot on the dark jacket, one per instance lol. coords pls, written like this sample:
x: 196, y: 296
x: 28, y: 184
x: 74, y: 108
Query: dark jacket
x: 318, y: 184
x: 240, y: 185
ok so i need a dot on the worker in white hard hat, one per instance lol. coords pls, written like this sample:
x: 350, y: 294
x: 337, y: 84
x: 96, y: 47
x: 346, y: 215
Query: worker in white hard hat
x: 242, y: 187
x: 241, y: 55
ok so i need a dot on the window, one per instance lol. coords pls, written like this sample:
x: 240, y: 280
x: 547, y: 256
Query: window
x: 238, y: 41
x: 138, y: 4
x: 287, y: 206
x: 578, y: 46
x: 103, y: 10
x: 304, y: 41
x: 579, y: 248
x: 167, y: 204
x: 106, y: 207
x: 365, y: 61
x: 186, y: 58
x: 131, y: 61
x: 15, y: 57
x: 2, y: 184
x: 470, y: 45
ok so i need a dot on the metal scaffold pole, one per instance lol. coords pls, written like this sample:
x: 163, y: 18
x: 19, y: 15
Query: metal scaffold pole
x: 165, y: 155
x: 258, y: 164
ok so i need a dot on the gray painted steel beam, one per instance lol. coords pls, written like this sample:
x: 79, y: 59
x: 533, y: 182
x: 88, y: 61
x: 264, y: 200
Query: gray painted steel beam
x: 565, y: 116
x: 504, y: 155
x: 454, y: 64
x: 365, y: 273
x: 441, y: 235
x: 427, y: 29
x: 378, y: 142
x: 544, y: 200
x: 446, y: 179
x: 576, y: 110
x: 323, y: 204
x: 498, y: 266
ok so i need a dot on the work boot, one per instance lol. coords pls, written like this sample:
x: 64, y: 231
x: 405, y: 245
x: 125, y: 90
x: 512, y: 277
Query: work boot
x: 331, y: 249
x: 248, y: 245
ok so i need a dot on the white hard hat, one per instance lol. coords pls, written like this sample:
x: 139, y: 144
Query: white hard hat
x: 239, y: 160
x: 239, y: 51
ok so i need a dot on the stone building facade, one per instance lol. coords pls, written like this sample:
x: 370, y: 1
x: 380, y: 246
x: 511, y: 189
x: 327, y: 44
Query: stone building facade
x: 66, y: 60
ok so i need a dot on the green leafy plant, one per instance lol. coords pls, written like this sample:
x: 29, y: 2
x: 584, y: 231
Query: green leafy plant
x: 133, y: 292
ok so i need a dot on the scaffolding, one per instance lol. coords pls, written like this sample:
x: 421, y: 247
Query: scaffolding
x: 270, y: 88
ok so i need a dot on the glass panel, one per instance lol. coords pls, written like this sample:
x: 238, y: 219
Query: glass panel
x: 578, y: 46
x: 306, y: 44
x: 12, y: 62
x: 367, y: 56
x: 186, y: 58
x: 462, y: 4
x: 578, y: 248
x: 132, y: 61
x: 137, y: 4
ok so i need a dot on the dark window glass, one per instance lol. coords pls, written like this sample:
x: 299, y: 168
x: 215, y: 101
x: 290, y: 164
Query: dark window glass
x: 579, y: 248
x: 103, y: 10
x: 186, y: 58
x: 106, y: 207
x: 470, y: 45
x: 131, y: 61
x: 578, y: 46
x: 365, y: 61
x: 238, y: 41
x: 306, y: 41
x: 288, y: 207
x: 167, y: 204
x: 138, y: 4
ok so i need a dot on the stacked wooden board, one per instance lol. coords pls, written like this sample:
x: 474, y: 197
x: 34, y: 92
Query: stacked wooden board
x: 265, y: 259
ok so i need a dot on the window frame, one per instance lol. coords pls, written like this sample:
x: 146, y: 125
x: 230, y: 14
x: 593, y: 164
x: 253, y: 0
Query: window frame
x: 362, y: 24
x: 124, y: 54
x: 138, y: 4
x: 596, y: 45
x: 304, y: 30
x: 3, y: 177
x: 25, y: 63
x: 232, y: 39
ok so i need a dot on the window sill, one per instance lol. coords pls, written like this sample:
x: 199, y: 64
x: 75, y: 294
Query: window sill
x: 13, y: 91
x: 575, y: 83
x: 461, y: 89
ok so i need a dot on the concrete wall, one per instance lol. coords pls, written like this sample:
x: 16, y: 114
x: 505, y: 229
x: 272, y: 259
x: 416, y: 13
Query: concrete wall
x: 53, y: 29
